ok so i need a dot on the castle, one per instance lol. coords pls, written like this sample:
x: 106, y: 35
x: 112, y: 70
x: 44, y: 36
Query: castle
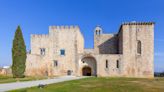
x: 129, y: 53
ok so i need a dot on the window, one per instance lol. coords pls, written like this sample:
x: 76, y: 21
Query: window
x: 117, y: 64
x: 55, y: 63
x: 138, y: 47
x: 62, y: 52
x: 42, y: 51
x: 106, y: 64
x: 96, y: 32
x: 99, y: 32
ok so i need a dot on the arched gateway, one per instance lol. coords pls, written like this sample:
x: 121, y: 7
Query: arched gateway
x: 89, y: 66
x: 86, y: 71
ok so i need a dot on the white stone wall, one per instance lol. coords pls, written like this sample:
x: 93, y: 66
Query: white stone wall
x: 59, y: 37
x: 138, y: 65
x: 39, y: 41
x: 112, y: 70
x: 120, y: 47
x: 106, y: 44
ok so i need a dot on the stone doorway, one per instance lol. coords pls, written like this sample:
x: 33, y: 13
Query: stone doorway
x: 69, y: 72
x: 86, y: 71
x: 88, y: 65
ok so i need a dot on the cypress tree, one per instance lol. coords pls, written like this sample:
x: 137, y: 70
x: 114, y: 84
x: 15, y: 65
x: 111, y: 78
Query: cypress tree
x: 18, y: 54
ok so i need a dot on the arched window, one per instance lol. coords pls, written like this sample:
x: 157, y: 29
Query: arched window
x: 106, y: 64
x: 99, y: 32
x: 42, y: 51
x: 138, y: 47
x: 96, y: 32
x: 55, y: 63
x: 117, y: 64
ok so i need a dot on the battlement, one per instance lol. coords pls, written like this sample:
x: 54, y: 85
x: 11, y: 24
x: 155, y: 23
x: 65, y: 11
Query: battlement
x: 138, y: 23
x: 39, y: 36
x: 63, y: 27
x: 135, y: 23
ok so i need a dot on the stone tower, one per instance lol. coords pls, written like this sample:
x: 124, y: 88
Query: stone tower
x: 128, y: 53
x: 105, y: 43
x: 138, y: 48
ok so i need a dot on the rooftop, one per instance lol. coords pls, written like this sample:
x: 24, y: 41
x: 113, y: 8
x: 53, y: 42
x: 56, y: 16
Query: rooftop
x: 138, y: 23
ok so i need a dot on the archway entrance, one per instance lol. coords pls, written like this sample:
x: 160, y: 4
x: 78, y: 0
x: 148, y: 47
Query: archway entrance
x: 88, y: 66
x: 86, y: 71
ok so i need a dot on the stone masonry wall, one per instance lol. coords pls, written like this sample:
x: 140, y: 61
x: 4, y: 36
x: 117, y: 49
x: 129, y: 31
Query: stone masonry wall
x: 59, y: 37
x: 138, y: 65
x: 120, y: 47
x: 106, y: 44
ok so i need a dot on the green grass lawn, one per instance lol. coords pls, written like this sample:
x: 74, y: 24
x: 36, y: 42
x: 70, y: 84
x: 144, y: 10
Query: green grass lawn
x: 7, y: 79
x: 103, y: 85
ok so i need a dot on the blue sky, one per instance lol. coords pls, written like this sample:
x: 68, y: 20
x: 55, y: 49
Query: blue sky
x: 34, y: 17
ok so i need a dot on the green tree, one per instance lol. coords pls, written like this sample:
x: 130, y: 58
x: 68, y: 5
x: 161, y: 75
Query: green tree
x: 18, y: 54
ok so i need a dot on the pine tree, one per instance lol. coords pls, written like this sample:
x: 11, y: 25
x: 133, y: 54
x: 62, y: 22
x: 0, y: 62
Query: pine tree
x: 18, y: 54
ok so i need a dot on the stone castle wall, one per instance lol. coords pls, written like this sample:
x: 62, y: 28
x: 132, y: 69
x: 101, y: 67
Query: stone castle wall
x: 59, y: 37
x: 120, y: 47
x: 138, y: 65
x: 106, y: 43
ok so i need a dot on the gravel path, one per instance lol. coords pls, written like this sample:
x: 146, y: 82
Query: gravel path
x: 17, y: 85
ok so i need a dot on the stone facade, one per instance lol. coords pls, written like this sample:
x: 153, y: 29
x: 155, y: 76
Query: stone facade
x: 129, y: 53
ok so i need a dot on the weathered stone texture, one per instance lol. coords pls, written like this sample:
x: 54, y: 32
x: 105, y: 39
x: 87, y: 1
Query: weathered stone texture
x: 106, y: 43
x: 120, y: 47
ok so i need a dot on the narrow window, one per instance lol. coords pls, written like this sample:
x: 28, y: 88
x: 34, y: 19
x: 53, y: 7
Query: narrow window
x: 55, y: 63
x: 106, y: 64
x: 99, y: 32
x: 138, y: 47
x: 117, y: 64
x: 96, y: 32
x: 42, y: 51
x: 62, y: 52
